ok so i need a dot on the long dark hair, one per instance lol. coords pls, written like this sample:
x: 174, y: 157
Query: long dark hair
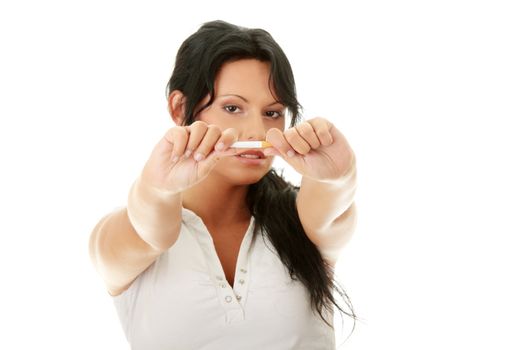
x: 197, y: 63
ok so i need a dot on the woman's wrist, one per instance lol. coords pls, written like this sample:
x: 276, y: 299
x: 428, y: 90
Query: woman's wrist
x: 155, y: 215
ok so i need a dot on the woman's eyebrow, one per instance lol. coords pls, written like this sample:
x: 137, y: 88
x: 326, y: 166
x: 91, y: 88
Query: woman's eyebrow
x: 239, y: 96
x: 245, y: 100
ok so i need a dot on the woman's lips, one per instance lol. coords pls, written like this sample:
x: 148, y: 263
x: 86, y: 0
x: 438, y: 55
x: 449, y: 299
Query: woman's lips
x: 257, y: 153
x: 252, y: 161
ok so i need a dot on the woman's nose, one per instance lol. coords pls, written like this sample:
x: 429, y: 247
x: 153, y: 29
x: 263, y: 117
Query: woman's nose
x: 254, y: 128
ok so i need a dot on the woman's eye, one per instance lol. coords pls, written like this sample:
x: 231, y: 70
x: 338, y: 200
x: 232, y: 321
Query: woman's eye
x: 275, y: 115
x: 231, y: 108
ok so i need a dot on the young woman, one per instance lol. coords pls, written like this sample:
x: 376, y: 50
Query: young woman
x: 215, y: 250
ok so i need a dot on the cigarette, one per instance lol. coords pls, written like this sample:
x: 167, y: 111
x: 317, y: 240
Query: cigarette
x: 251, y: 144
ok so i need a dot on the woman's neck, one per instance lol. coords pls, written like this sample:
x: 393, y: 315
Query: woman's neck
x: 217, y: 203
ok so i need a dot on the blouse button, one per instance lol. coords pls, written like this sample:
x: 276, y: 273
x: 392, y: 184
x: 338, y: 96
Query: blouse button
x: 219, y: 278
x: 238, y: 297
x: 243, y: 271
x: 223, y: 285
x: 228, y: 298
x: 241, y: 281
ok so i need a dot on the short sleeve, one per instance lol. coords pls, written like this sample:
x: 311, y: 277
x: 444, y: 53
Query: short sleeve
x: 125, y: 302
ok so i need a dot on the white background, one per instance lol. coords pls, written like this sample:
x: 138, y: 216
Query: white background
x: 429, y: 93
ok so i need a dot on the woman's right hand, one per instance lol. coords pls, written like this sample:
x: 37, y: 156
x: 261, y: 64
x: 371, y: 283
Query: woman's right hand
x: 186, y: 155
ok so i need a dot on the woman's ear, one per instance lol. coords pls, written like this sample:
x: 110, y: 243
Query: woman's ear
x: 176, y: 106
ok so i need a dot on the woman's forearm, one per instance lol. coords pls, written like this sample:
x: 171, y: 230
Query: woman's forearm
x: 320, y: 203
x: 156, y: 216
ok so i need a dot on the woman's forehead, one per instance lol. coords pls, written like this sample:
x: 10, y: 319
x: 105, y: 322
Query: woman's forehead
x: 249, y: 75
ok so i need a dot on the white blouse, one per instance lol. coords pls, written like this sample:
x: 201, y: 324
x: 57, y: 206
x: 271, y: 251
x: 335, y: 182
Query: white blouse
x: 183, y: 300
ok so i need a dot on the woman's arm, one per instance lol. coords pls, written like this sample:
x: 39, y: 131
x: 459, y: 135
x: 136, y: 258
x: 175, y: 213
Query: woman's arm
x: 125, y: 242
x: 328, y: 212
x: 318, y: 151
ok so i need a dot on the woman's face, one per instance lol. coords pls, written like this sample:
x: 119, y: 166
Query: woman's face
x: 243, y: 101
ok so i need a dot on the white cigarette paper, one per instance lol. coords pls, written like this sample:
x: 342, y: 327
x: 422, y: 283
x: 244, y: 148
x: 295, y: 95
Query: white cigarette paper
x: 251, y: 144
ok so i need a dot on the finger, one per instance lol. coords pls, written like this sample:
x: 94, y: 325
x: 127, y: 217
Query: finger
x: 177, y: 137
x: 307, y: 132
x: 296, y: 141
x: 228, y: 137
x: 322, y: 128
x: 209, y: 162
x: 213, y: 157
x: 277, y: 139
x: 213, y: 133
x: 197, y: 130
x: 271, y: 151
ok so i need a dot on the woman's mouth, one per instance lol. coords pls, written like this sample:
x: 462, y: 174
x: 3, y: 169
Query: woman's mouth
x: 251, y: 157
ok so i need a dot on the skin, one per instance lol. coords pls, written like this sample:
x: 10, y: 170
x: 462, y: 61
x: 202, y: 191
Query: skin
x: 314, y: 148
x: 188, y: 168
x: 251, y: 120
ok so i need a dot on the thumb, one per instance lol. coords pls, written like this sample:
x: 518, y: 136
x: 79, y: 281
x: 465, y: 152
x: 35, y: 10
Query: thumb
x: 271, y: 151
x: 209, y: 162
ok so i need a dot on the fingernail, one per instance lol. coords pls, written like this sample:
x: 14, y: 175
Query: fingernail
x: 175, y: 158
x: 198, y: 157
x: 219, y: 146
x: 187, y: 154
x: 290, y: 153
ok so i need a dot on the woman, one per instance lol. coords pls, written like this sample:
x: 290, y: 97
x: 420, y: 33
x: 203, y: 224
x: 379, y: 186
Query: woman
x: 215, y: 250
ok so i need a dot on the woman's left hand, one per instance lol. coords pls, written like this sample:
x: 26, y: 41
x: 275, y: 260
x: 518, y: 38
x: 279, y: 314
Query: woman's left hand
x: 314, y: 148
